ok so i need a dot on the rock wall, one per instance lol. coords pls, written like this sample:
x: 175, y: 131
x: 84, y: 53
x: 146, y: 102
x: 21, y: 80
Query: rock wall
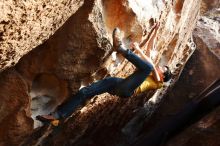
x: 75, y: 56
x: 27, y: 24
x: 205, y: 131
x: 190, y: 84
x: 208, y: 26
x: 96, y: 118
x: 199, y: 72
x: 15, y: 108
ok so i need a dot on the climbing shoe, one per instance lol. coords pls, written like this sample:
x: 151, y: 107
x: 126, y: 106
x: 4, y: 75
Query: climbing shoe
x: 116, y: 37
x: 48, y: 119
x: 55, y: 122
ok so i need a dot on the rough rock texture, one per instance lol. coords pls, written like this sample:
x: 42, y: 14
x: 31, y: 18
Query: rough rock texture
x: 206, y: 60
x: 190, y: 84
x: 26, y: 24
x: 61, y: 63
x: 203, y: 133
x: 208, y: 26
x: 76, y: 55
x: 201, y: 70
x: 15, y: 108
x: 96, y: 119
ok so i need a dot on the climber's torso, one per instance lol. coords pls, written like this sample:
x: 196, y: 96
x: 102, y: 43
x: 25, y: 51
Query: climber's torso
x: 149, y: 84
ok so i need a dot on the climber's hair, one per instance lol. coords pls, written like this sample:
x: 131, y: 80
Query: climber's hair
x: 167, y: 74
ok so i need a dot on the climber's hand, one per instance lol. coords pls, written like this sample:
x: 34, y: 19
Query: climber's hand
x: 135, y: 46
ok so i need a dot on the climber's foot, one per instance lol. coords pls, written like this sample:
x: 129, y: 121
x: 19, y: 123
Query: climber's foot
x: 117, y: 40
x: 48, y: 119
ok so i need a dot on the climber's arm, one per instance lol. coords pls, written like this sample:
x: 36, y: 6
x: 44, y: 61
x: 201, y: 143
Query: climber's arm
x: 148, y: 42
x: 155, y: 72
x: 151, y: 35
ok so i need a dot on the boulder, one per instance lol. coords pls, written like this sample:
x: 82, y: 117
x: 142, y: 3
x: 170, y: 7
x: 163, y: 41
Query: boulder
x: 27, y: 24
x: 78, y: 53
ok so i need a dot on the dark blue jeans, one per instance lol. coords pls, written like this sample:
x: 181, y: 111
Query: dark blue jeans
x: 116, y: 86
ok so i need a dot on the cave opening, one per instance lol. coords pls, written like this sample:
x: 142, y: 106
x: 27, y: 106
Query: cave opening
x: 74, y: 53
x: 47, y: 92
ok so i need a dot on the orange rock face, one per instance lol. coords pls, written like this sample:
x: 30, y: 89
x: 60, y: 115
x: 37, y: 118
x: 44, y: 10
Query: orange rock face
x: 27, y: 24
x: 76, y: 55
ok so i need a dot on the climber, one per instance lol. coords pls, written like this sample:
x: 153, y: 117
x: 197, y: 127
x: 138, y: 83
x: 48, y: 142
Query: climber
x: 146, y: 77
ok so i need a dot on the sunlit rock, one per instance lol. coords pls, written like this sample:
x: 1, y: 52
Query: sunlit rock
x: 78, y: 53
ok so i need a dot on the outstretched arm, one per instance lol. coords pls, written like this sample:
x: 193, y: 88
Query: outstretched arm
x: 148, y: 42
x: 143, y: 56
